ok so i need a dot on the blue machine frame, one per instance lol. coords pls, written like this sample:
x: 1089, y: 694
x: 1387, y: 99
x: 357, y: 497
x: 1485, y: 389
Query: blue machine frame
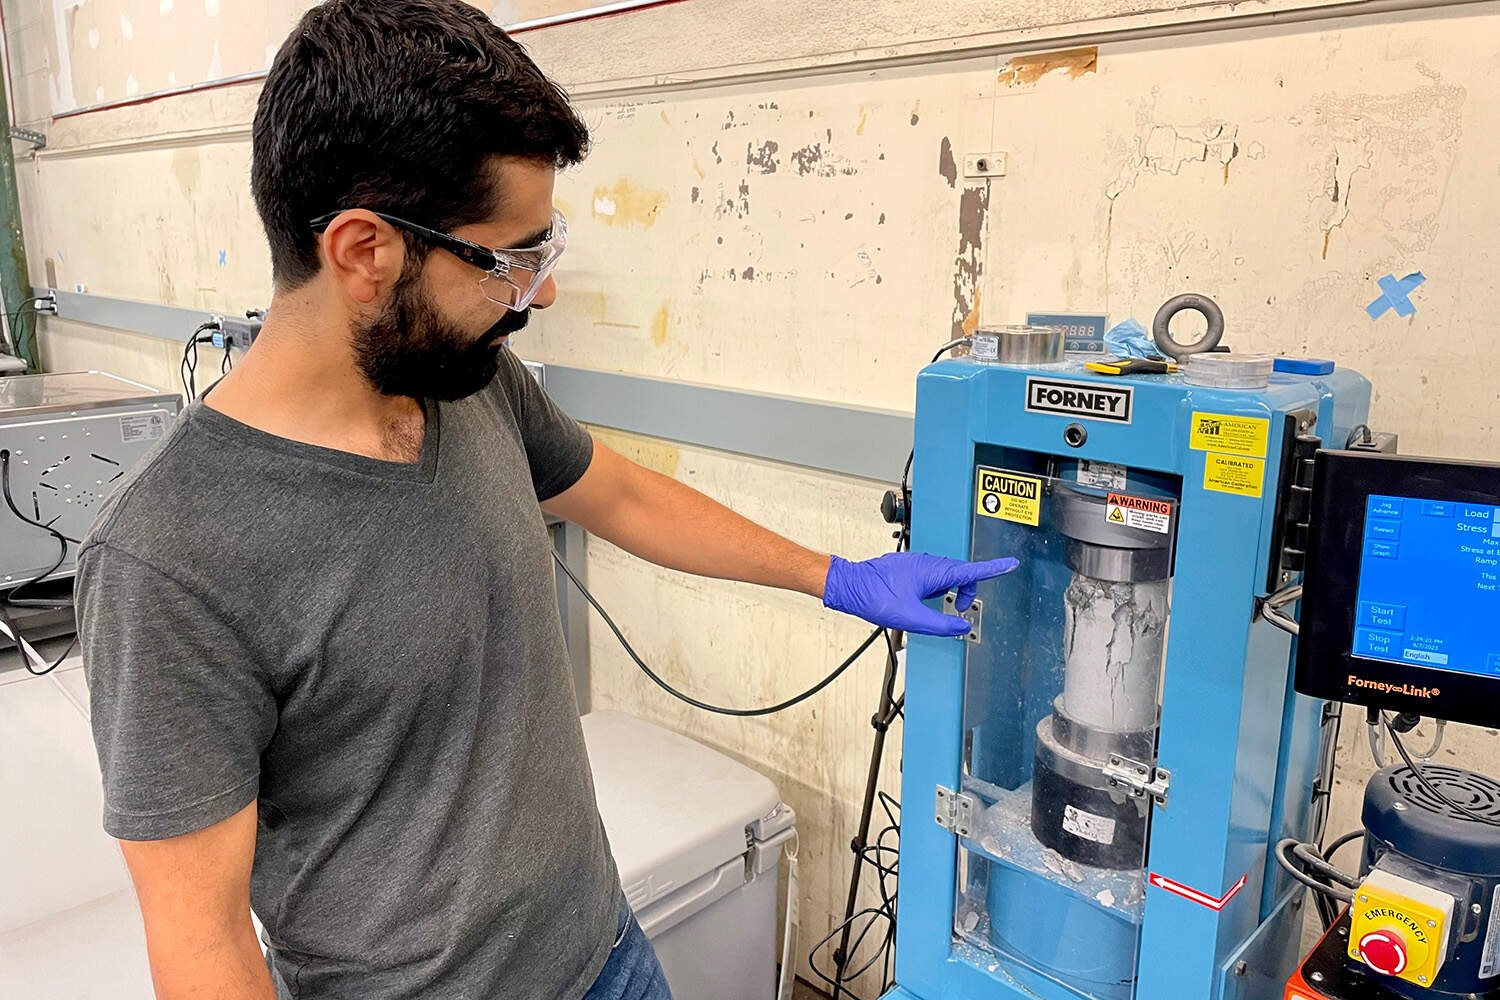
x: 1241, y: 746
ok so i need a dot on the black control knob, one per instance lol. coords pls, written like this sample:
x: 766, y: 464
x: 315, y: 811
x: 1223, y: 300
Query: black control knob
x: 893, y: 508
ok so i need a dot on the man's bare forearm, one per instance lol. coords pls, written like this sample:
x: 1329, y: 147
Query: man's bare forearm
x: 666, y: 522
x: 202, y: 964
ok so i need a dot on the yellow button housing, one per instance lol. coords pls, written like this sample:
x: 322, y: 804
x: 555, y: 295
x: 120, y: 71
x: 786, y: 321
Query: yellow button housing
x: 1405, y: 925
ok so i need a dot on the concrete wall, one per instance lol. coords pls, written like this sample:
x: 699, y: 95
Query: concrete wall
x: 786, y: 211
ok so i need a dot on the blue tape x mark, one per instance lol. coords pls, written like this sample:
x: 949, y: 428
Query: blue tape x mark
x: 1395, y: 296
x: 223, y: 257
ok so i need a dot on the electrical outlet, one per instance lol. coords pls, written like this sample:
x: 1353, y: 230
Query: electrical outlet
x: 46, y: 305
x: 984, y: 165
x: 241, y: 333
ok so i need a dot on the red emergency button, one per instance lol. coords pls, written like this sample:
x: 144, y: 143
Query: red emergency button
x: 1384, y: 951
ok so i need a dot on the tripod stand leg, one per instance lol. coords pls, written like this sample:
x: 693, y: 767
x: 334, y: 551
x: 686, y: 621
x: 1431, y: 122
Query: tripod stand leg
x: 881, y: 722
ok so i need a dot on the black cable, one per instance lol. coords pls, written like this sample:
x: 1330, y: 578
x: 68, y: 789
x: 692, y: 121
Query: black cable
x: 10, y: 324
x: 1337, y: 892
x: 911, y: 456
x: 1354, y: 433
x: 190, y: 359
x: 25, y: 660
x: 1325, y: 776
x: 1308, y: 855
x: 742, y: 713
x: 11, y: 503
x: 1346, y: 838
x: 1406, y: 759
x: 62, y: 541
x: 872, y: 913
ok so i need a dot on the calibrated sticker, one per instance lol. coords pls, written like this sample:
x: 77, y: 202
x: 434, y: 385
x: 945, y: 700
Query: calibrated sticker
x: 1489, y: 962
x: 1009, y: 496
x: 1087, y: 826
x: 138, y: 427
x: 1233, y: 435
x: 1104, y: 475
x: 1139, y: 512
x: 1231, y: 474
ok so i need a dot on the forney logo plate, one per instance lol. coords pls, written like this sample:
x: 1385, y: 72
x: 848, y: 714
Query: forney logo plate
x: 1080, y: 399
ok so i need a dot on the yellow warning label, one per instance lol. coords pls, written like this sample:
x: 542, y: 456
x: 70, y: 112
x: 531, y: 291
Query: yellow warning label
x: 1009, y: 496
x: 1233, y: 474
x: 1117, y: 515
x: 1235, y: 435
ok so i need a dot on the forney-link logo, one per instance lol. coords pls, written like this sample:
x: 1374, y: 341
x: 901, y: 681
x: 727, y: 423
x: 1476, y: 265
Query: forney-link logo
x: 1384, y: 688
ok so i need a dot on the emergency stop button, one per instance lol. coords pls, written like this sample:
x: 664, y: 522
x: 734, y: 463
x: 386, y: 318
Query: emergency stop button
x: 1384, y: 951
x: 1400, y: 927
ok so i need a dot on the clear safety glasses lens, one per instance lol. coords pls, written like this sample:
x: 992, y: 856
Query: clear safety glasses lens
x: 525, y: 270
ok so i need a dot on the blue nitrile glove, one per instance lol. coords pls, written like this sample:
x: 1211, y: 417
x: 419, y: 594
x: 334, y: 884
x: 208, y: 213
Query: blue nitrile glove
x: 1129, y: 340
x: 889, y: 590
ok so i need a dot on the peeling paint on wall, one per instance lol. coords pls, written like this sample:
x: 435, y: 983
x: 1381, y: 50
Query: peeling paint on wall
x: 763, y: 157
x: 1023, y: 71
x: 973, y: 212
x: 947, y: 165
x: 626, y: 204
x: 1166, y: 149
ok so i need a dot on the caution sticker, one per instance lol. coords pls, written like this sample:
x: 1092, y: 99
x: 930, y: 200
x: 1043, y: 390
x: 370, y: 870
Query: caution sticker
x: 1233, y: 435
x: 1139, y: 512
x: 1231, y: 474
x: 1009, y: 496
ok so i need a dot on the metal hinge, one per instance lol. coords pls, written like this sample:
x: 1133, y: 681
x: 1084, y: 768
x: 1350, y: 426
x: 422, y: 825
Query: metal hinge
x: 1138, y: 779
x: 1291, y: 522
x: 37, y: 139
x: 955, y: 811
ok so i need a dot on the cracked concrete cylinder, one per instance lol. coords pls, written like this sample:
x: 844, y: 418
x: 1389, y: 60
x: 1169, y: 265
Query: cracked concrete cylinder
x: 1114, y: 637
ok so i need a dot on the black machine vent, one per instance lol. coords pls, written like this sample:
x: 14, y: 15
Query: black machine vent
x: 1474, y: 792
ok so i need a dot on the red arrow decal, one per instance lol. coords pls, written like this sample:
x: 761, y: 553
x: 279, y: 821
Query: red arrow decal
x: 1201, y: 898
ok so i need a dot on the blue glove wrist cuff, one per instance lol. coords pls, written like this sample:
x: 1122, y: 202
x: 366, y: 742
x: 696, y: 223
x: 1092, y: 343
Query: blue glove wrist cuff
x: 833, y: 585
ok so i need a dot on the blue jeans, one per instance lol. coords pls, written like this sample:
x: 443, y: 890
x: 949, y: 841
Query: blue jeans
x: 632, y: 972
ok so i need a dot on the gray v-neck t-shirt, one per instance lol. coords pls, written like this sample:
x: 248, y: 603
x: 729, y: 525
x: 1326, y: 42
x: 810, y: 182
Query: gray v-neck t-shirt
x: 371, y: 651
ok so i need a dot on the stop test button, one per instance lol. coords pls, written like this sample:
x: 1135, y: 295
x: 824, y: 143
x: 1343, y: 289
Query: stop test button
x: 1384, y: 951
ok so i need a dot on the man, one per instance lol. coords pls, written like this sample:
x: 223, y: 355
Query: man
x: 327, y: 673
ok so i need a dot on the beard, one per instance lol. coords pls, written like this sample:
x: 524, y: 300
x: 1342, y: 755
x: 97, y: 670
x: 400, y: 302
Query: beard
x: 409, y: 349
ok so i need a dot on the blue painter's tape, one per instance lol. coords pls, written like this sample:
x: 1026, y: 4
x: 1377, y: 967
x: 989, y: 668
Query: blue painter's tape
x: 223, y: 257
x: 1395, y: 295
x: 1303, y: 366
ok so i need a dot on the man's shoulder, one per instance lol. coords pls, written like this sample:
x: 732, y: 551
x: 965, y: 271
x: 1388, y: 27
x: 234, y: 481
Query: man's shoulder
x: 174, y: 489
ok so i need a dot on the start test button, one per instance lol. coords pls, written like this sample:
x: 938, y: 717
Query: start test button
x: 1384, y: 951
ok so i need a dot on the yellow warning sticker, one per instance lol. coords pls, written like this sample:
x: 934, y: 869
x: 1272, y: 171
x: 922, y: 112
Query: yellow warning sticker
x: 1235, y: 435
x: 1233, y: 474
x: 1009, y: 496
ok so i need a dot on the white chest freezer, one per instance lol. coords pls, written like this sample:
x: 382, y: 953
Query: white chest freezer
x: 698, y: 838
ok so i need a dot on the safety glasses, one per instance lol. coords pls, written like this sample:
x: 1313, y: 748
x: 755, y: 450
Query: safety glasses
x: 512, y: 276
